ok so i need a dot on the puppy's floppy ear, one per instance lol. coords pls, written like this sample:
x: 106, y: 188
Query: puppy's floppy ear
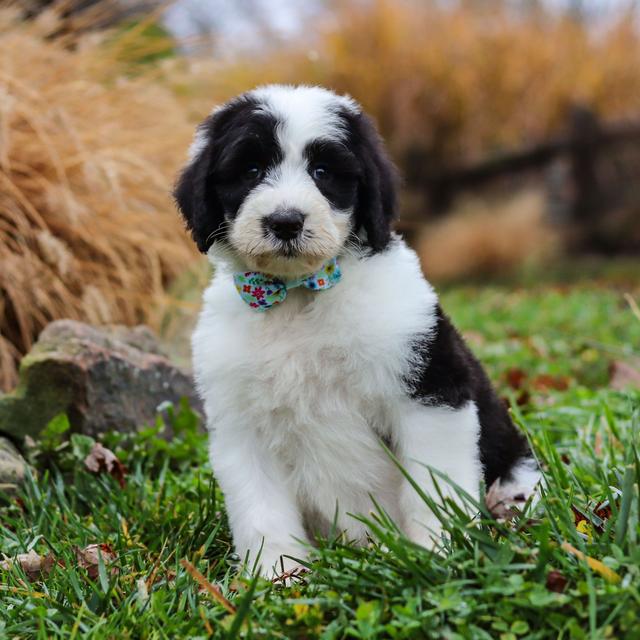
x: 194, y: 194
x: 376, y: 208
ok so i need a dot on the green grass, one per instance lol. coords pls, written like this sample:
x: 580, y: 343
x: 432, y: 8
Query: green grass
x: 493, y: 580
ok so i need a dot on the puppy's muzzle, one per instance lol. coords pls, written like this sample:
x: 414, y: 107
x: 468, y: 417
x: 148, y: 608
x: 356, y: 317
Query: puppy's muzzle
x: 285, y: 225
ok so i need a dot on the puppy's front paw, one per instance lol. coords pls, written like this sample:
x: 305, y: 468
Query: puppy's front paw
x: 506, y: 501
x: 426, y: 534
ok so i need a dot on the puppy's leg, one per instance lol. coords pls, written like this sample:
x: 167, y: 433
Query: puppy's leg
x: 262, y: 510
x: 447, y: 440
x: 508, y: 494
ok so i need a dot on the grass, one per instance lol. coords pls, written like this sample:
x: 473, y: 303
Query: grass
x: 568, y: 569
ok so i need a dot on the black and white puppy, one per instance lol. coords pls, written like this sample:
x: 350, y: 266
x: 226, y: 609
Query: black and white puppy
x: 281, y: 181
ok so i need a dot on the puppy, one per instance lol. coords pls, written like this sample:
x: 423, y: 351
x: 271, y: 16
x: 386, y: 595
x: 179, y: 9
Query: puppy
x: 320, y: 339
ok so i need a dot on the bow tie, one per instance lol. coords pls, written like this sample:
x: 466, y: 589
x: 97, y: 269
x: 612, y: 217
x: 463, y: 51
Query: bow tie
x: 262, y: 291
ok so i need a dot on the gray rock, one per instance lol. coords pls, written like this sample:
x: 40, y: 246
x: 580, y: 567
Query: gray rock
x: 12, y: 466
x: 106, y: 378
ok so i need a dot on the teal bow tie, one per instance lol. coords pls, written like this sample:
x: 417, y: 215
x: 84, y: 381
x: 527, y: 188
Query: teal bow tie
x: 262, y: 291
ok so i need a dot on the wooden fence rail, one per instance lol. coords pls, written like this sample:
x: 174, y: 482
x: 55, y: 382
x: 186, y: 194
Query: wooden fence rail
x: 589, y: 149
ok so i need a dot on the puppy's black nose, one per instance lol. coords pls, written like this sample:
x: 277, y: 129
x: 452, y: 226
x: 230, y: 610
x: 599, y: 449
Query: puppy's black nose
x: 286, y: 224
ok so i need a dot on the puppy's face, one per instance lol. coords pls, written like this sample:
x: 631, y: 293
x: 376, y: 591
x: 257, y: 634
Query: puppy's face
x: 284, y: 176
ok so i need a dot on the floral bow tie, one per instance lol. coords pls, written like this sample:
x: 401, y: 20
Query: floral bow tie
x: 262, y: 291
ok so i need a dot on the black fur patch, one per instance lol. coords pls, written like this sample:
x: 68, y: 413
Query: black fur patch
x: 244, y: 148
x: 211, y: 189
x: 451, y: 375
x: 376, y: 207
x: 341, y: 172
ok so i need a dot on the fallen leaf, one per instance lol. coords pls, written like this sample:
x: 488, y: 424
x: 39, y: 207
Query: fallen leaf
x: 33, y: 564
x: 547, y: 382
x: 595, y: 565
x: 88, y: 559
x: 624, y: 375
x: 585, y: 528
x: 578, y: 516
x: 102, y: 459
x: 515, y: 378
x: 604, y: 510
x: 556, y: 581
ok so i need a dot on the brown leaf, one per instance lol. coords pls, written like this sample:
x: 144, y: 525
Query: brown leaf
x: 88, y: 559
x: 600, y: 511
x: 578, y: 516
x: 556, y: 581
x: 624, y: 375
x: 604, y: 510
x: 33, y: 564
x: 547, y: 382
x: 102, y: 459
x: 515, y: 378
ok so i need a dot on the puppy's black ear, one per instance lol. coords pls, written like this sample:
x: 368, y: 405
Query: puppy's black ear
x: 376, y: 208
x: 194, y: 194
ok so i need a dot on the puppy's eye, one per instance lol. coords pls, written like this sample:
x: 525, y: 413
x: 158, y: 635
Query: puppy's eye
x: 253, y: 172
x: 320, y: 172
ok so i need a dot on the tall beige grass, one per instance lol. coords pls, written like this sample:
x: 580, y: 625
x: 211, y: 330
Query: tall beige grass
x: 456, y: 82
x: 87, y: 158
x: 483, y: 238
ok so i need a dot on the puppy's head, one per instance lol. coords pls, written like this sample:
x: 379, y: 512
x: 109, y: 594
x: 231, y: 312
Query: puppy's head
x: 286, y: 177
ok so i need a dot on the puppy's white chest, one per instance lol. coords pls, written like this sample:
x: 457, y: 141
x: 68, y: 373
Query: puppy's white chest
x: 304, y: 389
x: 316, y: 382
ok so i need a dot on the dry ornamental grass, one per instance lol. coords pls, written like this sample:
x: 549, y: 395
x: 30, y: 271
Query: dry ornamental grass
x: 87, y: 226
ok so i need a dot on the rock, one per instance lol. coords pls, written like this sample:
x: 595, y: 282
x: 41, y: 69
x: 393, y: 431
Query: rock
x: 103, y: 378
x: 12, y: 466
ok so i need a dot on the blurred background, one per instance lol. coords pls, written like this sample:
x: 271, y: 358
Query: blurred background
x: 515, y: 125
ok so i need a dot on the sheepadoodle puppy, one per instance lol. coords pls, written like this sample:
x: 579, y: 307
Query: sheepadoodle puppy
x: 320, y: 339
